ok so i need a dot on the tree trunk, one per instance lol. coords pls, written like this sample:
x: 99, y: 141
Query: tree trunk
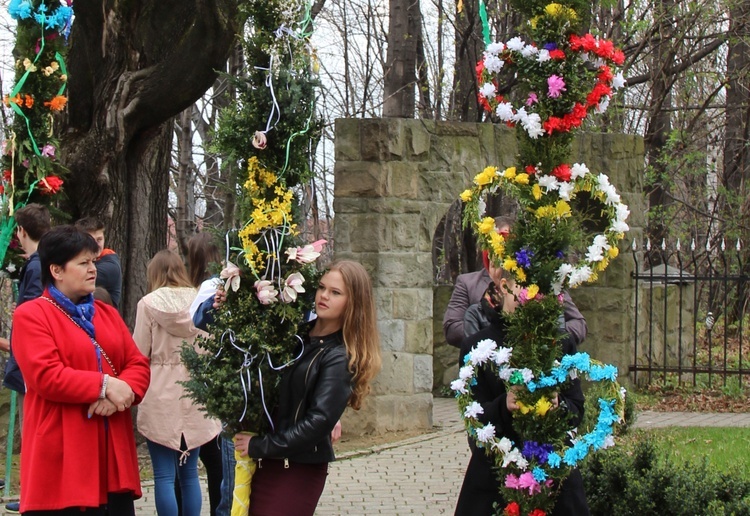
x: 469, y: 47
x: 132, y: 67
x: 184, y: 215
x: 659, y: 124
x: 401, y: 67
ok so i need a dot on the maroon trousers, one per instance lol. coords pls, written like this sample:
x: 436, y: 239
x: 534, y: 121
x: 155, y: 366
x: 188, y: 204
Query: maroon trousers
x: 278, y: 490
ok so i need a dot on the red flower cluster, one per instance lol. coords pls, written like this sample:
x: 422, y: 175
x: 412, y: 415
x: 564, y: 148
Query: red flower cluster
x: 557, y: 54
x: 537, y: 512
x: 531, y: 170
x: 601, y: 47
x: 567, y: 122
x: 50, y: 185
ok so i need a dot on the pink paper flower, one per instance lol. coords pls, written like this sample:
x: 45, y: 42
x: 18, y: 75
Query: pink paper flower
x: 231, y: 273
x: 266, y: 292
x: 533, y: 99
x: 306, y: 254
x: 48, y: 151
x: 292, y: 287
x: 526, y: 481
x: 556, y: 86
x: 259, y: 140
x: 511, y: 482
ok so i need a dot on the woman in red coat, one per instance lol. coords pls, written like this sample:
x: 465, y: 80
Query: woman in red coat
x: 83, y: 372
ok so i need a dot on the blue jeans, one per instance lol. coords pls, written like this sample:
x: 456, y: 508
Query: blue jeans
x: 227, y: 482
x: 166, y: 464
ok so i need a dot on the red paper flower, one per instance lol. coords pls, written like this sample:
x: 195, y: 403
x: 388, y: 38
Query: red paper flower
x: 562, y: 172
x: 7, y: 175
x: 537, y: 512
x: 50, y: 185
x: 512, y: 509
x: 530, y: 170
x: 557, y: 54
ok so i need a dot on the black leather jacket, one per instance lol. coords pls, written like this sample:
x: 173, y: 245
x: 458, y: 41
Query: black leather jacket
x: 314, y: 393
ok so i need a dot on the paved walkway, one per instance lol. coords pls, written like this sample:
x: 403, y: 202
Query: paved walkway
x: 423, y: 475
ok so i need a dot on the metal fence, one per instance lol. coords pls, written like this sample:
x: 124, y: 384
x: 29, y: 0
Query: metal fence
x: 690, y: 314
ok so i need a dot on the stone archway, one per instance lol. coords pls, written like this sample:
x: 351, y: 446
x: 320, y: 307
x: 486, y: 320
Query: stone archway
x: 394, y: 181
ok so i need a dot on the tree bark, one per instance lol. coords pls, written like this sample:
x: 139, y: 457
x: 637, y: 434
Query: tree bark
x: 469, y: 47
x: 133, y: 66
x: 401, y: 67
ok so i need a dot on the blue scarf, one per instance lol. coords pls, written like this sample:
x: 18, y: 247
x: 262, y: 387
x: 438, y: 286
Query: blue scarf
x: 82, y: 313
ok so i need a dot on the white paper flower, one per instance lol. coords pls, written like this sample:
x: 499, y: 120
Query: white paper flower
x: 504, y: 111
x: 11, y: 268
x: 482, y: 351
x: 515, y: 44
x: 459, y: 386
x: 580, y: 275
x: 514, y: 456
x: 603, y: 105
x: 493, y: 64
x: 543, y: 56
x: 504, y: 373
x: 504, y: 445
x: 486, y: 433
x: 618, y: 81
x: 495, y: 48
x: 502, y: 355
x: 578, y: 170
x: 529, y: 50
x: 487, y: 90
x: 565, y: 189
x: 473, y: 410
x: 549, y: 182
x: 466, y: 372
x: 527, y: 374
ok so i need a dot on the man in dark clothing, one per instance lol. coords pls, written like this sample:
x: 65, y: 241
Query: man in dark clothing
x: 32, y: 222
x: 108, y: 269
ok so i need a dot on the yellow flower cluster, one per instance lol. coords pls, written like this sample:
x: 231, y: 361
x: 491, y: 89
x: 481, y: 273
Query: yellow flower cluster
x: 267, y: 213
x: 510, y: 265
x: 486, y: 227
x: 559, y: 210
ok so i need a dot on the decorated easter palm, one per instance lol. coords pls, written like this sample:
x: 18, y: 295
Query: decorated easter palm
x: 570, y: 222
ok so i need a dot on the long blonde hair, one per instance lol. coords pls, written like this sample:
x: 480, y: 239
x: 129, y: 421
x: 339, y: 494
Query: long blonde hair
x: 360, y: 329
x: 166, y: 269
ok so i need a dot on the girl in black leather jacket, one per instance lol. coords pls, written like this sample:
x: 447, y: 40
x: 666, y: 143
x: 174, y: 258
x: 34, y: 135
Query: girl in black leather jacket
x: 341, y: 356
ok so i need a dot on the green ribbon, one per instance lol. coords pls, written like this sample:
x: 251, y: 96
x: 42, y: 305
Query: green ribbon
x: 8, y: 225
x: 485, y: 23
x: 63, y: 71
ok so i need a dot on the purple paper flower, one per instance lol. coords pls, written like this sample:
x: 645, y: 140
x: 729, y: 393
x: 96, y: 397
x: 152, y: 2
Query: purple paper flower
x: 550, y: 46
x: 556, y: 86
x: 523, y: 258
x: 534, y: 450
x: 559, y: 255
x: 533, y: 99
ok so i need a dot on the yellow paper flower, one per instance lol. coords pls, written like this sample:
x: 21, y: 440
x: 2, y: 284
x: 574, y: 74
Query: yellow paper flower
x: 533, y: 22
x: 545, y: 211
x: 602, y: 265
x: 562, y: 209
x: 557, y: 10
x: 523, y: 408
x: 509, y: 264
x: 486, y: 176
x: 520, y: 275
x: 28, y: 65
x: 509, y: 173
x: 486, y: 226
x: 522, y: 179
x: 532, y: 291
x: 613, y: 252
x: 536, y: 191
x: 542, y: 406
x: 466, y: 195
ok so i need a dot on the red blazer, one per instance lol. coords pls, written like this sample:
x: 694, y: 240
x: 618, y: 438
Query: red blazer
x: 67, y: 459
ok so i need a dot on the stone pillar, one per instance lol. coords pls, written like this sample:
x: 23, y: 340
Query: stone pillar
x: 394, y: 181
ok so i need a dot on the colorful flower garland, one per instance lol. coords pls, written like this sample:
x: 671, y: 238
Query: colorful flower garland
x: 548, y: 196
x: 533, y: 466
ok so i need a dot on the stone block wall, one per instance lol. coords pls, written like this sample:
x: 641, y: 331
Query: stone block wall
x: 394, y: 181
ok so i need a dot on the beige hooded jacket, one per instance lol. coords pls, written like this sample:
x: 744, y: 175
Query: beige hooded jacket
x: 162, y: 324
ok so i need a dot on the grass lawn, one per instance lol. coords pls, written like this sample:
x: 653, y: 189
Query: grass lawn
x: 726, y: 449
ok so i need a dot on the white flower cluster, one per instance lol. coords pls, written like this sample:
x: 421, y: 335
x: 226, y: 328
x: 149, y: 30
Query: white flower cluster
x: 487, y: 351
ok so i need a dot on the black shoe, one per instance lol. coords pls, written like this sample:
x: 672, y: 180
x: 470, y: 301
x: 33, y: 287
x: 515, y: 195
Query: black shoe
x: 13, y: 508
x: 2, y: 483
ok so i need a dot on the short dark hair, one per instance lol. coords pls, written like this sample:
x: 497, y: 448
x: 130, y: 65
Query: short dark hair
x: 89, y: 224
x: 34, y: 219
x: 60, y: 245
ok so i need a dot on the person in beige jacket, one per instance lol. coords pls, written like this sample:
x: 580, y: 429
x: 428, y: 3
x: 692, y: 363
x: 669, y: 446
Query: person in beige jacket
x: 173, y: 425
